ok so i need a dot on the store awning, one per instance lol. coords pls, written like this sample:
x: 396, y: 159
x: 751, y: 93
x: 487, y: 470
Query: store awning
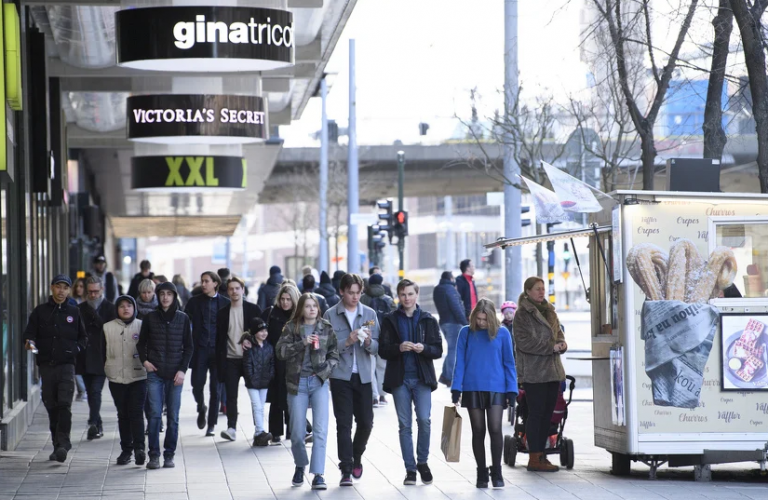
x: 543, y: 238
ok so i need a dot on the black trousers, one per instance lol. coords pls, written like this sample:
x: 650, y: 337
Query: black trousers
x: 541, y: 399
x: 278, y: 420
x: 129, y: 401
x: 94, y: 384
x: 58, y: 389
x: 204, y: 362
x: 352, y: 398
x: 232, y: 374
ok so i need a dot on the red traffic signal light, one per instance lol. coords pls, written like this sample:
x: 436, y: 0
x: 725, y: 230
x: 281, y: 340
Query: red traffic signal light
x: 401, y: 223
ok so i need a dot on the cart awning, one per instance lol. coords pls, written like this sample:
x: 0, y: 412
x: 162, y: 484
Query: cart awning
x: 542, y: 238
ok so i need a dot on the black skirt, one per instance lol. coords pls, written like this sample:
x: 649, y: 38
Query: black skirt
x: 483, y: 399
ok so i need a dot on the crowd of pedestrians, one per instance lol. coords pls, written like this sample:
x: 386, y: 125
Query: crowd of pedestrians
x: 340, y: 342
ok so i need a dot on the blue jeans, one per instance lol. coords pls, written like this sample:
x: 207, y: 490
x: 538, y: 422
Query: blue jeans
x: 314, y: 390
x: 159, y: 391
x: 419, y: 394
x: 451, y: 333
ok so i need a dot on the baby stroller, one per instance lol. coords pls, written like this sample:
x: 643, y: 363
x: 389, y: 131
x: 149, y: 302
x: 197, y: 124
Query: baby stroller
x: 557, y: 443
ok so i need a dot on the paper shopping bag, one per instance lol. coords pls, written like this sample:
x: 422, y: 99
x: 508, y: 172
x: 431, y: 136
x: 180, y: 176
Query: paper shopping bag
x: 450, y: 441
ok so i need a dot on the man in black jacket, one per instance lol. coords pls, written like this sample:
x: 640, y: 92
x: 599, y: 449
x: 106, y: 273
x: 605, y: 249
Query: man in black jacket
x: 165, y: 348
x: 95, y: 312
x: 410, y: 342
x: 452, y: 318
x: 327, y: 291
x: 308, y: 286
x: 203, y: 310
x: 268, y: 291
x: 57, y: 332
x: 231, y: 323
x: 108, y: 281
x: 144, y: 273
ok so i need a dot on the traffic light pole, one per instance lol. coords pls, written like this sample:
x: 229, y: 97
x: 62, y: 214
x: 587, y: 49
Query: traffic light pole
x: 400, y: 181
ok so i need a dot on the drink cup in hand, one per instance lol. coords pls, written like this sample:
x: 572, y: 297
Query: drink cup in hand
x: 33, y: 347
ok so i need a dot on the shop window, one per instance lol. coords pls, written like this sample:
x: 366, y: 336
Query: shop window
x: 603, y: 294
x: 749, y: 242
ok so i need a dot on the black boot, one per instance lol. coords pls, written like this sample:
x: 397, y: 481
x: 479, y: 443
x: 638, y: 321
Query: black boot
x: 482, y: 477
x: 496, y: 477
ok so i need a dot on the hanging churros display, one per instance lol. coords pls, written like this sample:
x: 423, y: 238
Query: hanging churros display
x: 678, y: 326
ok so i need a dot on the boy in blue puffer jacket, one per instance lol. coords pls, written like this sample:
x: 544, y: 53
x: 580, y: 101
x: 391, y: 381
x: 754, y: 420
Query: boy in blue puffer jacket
x: 259, y: 368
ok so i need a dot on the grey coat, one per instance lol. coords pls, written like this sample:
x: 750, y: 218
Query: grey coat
x: 534, y: 343
x: 338, y: 320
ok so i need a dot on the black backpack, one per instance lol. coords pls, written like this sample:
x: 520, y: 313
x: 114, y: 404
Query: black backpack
x: 381, y: 307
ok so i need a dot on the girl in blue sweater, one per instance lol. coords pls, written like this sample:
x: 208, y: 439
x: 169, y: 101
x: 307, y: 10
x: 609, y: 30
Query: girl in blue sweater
x: 485, y: 379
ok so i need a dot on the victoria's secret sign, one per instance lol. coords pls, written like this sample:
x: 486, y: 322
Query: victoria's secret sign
x: 181, y: 115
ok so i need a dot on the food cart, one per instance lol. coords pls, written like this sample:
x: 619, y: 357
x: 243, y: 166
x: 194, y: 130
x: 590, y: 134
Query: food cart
x: 679, y: 306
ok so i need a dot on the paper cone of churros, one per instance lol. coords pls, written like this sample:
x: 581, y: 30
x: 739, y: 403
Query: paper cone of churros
x: 677, y: 323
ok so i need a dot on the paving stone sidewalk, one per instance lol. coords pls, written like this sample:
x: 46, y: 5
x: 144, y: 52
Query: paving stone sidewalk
x: 214, y: 469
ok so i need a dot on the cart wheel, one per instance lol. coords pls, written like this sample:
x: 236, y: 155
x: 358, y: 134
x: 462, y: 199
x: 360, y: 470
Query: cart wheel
x: 507, y: 448
x: 569, y: 454
x: 563, y: 452
x: 620, y: 464
x: 513, y: 451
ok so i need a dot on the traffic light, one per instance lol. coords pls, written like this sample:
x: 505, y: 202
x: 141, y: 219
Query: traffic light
x: 524, y: 209
x: 376, y: 243
x: 566, y: 256
x: 401, y: 223
x: 379, y: 237
x: 386, y: 220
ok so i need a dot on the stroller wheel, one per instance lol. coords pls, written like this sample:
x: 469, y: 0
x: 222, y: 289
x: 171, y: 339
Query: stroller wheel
x: 510, y: 450
x: 566, y: 453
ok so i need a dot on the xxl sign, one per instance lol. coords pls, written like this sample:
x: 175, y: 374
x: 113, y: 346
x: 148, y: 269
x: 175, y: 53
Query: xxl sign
x: 182, y: 38
x: 191, y: 118
x: 170, y: 172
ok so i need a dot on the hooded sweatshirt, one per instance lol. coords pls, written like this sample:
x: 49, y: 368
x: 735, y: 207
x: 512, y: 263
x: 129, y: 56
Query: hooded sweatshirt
x: 123, y: 365
x: 165, y: 339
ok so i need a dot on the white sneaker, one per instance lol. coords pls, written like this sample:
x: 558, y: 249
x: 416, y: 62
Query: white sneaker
x: 230, y: 434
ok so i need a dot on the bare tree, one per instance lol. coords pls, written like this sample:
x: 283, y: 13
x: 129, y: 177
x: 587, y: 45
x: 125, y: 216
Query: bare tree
x: 298, y: 213
x: 629, y: 24
x: 714, y: 134
x: 528, y: 129
x: 337, y: 201
x: 748, y: 15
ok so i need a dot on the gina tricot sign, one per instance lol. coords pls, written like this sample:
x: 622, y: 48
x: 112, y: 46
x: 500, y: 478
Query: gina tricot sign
x: 158, y: 172
x: 231, y: 118
x: 251, y: 38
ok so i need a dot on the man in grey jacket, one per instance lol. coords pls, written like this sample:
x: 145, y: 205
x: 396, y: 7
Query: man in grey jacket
x: 357, y: 331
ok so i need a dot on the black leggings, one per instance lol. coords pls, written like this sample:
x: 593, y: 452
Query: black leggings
x: 477, y: 417
x: 541, y: 399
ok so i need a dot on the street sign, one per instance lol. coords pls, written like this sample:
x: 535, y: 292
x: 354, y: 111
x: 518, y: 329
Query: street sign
x: 364, y: 219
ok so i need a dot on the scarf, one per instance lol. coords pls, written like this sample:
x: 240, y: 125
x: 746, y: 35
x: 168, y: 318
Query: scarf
x: 146, y: 307
x: 170, y: 313
x: 548, y: 311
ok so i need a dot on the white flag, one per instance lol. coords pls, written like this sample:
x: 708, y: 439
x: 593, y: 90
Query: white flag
x: 548, y: 209
x: 574, y: 195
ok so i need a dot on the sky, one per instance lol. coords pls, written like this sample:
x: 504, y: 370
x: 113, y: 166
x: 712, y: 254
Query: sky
x: 417, y: 61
